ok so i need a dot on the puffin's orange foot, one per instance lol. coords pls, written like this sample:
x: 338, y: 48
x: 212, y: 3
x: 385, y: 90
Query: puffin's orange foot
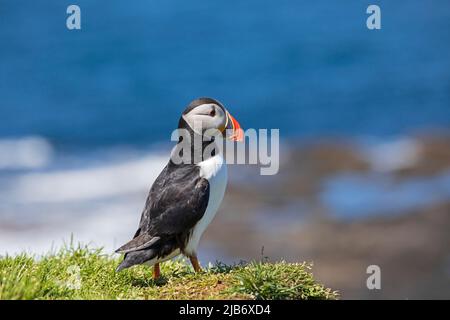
x: 195, y: 263
x: 156, y: 271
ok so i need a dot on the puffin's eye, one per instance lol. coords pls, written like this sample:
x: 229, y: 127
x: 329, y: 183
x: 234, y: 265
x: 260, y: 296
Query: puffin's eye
x: 212, y: 113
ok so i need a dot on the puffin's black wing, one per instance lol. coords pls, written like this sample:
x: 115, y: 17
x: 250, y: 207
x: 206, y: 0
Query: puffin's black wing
x: 176, y: 202
x: 182, y: 209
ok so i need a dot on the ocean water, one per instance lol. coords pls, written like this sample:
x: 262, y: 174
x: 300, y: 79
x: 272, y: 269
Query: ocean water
x: 86, y: 116
x: 306, y: 68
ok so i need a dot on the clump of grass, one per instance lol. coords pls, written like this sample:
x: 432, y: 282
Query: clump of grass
x: 78, y: 272
x: 281, y: 281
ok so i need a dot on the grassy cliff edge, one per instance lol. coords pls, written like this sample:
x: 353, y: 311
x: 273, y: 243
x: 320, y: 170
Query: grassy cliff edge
x: 83, y: 273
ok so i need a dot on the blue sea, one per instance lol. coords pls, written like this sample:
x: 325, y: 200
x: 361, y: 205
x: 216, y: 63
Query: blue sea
x: 306, y: 68
x: 83, y: 113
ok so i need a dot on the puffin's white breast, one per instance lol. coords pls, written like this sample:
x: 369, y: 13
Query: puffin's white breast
x: 215, y: 171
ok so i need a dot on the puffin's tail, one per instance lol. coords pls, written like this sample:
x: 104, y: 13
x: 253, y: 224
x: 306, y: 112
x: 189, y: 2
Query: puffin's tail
x: 138, y: 250
x: 136, y: 257
x: 122, y: 266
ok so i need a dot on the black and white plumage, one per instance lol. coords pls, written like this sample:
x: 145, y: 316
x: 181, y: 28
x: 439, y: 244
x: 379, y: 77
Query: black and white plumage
x: 186, y: 196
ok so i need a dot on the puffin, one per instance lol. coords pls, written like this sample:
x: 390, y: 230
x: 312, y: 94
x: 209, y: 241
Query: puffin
x: 186, y: 195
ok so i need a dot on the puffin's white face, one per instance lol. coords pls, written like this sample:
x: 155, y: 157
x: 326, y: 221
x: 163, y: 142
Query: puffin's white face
x: 206, y: 117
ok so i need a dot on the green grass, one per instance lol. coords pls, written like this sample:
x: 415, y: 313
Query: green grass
x: 83, y: 273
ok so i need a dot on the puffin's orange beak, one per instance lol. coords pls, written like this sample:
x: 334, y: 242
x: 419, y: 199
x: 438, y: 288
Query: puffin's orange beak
x: 237, y: 134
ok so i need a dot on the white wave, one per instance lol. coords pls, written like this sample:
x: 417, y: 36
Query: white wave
x: 25, y: 153
x: 393, y: 155
x: 99, y: 205
x: 108, y: 225
x: 85, y: 183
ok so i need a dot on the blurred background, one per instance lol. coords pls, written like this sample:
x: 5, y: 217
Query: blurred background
x: 364, y: 118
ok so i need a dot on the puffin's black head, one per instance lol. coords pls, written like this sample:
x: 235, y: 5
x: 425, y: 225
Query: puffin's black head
x: 205, y: 114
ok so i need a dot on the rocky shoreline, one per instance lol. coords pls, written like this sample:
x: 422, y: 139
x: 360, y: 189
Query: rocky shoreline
x: 286, y: 215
